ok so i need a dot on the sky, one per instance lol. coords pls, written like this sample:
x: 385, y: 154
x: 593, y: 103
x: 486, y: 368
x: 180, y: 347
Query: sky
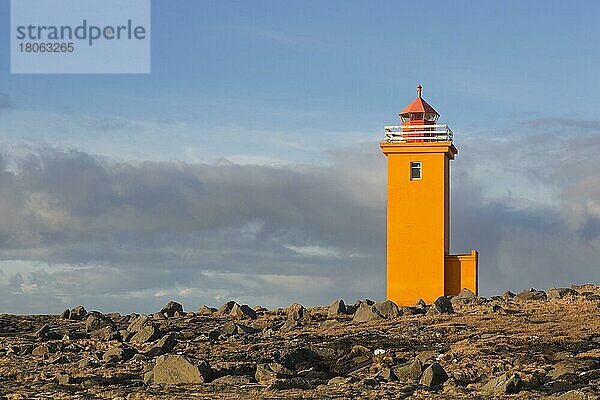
x: 246, y: 165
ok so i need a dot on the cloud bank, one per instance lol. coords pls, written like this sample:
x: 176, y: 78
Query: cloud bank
x: 77, y: 228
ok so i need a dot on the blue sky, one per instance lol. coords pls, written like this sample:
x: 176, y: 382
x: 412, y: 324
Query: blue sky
x: 310, y: 69
x: 301, y: 91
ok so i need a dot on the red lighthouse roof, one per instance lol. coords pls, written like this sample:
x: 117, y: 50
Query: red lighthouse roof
x: 419, y: 105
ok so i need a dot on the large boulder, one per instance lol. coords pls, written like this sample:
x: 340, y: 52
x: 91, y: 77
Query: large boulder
x: 43, y: 350
x: 96, y: 320
x: 532, y: 294
x: 178, y: 370
x: 427, y: 356
x: 268, y: 373
x: 409, y: 372
x: 43, y: 332
x: 504, y: 384
x: 242, y: 312
x: 420, y: 306
x: 78, y: 313
x: 106, y: 334
x: 172, y: 309
x: 433, y: 376
x: 206, y: 310
x: 143, y: 330
x: 231, y: 329
x: 464, y: 297
x: 336, y: 308
x: 119, y: 353
x: 226, y: 308
x: 442, y: 305
x: 366, y: 313
x: 297, y: 312
x: 163, y: 346
x: 559, y: 293
x: 290, y: 325
x: 300, y: 358
x: 508, y: 296
x: 387, y: 309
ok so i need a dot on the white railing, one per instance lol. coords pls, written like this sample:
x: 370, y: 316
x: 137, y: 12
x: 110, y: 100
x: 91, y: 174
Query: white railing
x: 409, y: 133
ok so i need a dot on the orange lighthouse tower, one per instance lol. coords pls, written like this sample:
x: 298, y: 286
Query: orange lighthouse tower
x: 419, y: 265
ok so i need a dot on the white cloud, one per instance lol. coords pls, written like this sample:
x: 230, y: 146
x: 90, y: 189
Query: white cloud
x: 128, y: 236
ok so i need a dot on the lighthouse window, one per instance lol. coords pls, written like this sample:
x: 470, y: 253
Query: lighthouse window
x: 415, y: 170
x: 431, y: 117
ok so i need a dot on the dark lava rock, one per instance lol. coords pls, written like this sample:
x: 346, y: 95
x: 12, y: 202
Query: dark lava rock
x: 64, y: 379
x: 143, y: 330
x: 166, y: 344
x: 504, y: 384
x: 508, y: 295
x: 42, y: 333
x: 387, y: 309
x: 106, y: 334
x: 290, y: 325
x: 369, y: 383
x: 412, y: 311
x: 420, y: 306
x: 206, y: 310
x: 464, y: 297
x: 177, y: 370
x: 297, y: 312
x: 242, y: 312
x: 232, y: 328
x: 427, y: 356
x: 532, y: 294
x: 43, y: 350
x: 300, y: 358
x: 336, y: 308
x: 226, y: 308
x: 88, y: 361
x: 441, y: 306
x: 78, y: 313
x: 572, y: 370
x: 172, y: 309
x: 433, y: 376
x: 559, y: 293
x: 268, y: 373
x: 352, y: 364
x: 96, y: 320
x: 387, y: 374
x: 409, y: 372
x: 366, y: 313
x: 119, y: 353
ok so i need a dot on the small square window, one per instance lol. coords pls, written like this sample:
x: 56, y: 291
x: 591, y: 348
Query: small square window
x: 415, y: 170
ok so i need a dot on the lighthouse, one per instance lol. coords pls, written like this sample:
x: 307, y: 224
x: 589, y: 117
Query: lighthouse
x: 419, y: 263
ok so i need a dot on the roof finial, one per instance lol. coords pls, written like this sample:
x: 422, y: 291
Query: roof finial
x: 419, y: 88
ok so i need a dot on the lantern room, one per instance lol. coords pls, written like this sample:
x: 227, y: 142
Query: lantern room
x: 419, y: 124
x: 419, y: 112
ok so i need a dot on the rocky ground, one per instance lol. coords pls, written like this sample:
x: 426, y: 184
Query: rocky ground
x: 532, y: 345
